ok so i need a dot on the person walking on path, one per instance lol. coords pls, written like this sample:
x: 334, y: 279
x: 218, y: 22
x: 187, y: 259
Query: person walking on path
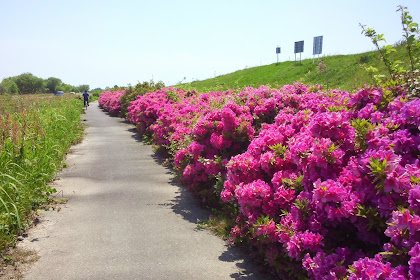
x: 86, y: 98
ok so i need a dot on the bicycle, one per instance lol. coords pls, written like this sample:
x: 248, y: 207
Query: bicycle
x: 86, y: 99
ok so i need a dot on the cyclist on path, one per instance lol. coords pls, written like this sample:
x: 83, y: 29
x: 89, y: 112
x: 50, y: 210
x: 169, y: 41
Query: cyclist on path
x: 86, y: 98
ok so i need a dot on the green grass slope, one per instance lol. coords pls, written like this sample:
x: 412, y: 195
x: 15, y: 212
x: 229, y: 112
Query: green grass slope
x: 344, y: 72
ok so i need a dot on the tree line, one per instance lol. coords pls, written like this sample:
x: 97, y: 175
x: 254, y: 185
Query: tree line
x: 27, y: 83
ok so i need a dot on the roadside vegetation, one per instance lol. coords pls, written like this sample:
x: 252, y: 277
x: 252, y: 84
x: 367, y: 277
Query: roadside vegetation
x: 36, y: 132
x: 313, y: 180
x: 323, y: 183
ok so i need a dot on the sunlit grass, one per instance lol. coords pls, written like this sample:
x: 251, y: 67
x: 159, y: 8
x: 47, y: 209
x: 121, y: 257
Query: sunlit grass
x: 344, y: 72
x: 36, y: 132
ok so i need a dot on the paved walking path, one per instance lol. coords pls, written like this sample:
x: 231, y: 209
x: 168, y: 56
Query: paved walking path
x: 124, y: 219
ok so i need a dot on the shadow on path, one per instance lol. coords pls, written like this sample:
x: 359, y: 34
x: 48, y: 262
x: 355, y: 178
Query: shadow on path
x: 190, y: 209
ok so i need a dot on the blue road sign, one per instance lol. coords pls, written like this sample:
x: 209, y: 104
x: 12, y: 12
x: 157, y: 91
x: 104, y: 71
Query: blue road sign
x: 299, y: 47
x: 317, y: 45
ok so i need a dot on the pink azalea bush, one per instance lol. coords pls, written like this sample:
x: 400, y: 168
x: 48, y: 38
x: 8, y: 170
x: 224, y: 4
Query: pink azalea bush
x: 325, y: 184
x: 216, y: 137
x: 332, y: 187
x: 110, y: 101
x: 188, y: 127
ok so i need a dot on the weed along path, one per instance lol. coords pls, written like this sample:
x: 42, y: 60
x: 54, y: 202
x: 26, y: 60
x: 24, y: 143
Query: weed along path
x: 124, y: 219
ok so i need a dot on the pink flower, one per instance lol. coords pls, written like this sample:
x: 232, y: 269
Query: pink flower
x: 414, y: 198
x: 306, y: 241
x: 329, y: 191
x: 414, y: 262
x: 252, y: 196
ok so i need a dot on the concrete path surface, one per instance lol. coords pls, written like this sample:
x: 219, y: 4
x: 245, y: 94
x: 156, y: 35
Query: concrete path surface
x: 124, y: 219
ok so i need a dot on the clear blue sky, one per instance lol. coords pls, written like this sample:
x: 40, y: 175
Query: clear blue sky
x: 106, y: 43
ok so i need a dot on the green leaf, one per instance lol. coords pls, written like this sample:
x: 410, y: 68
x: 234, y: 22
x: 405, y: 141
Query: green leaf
x: 413, y: 25
x: 388, y: 49
x: 278, y: 149
x: 378, y: 171
x: 362, y: 127
x: 414, y: 180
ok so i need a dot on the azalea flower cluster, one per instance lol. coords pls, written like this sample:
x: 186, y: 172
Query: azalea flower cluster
x: 201, y: 131
x: 334, y: 186
x: 110, y: 101
x: 145, y: 111
x: 326, y: 184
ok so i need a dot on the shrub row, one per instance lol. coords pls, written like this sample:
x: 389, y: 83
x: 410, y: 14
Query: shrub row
x: 326, y: 185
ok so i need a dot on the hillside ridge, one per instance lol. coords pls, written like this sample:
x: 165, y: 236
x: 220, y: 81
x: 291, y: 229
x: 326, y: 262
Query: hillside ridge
x: 344, y: 72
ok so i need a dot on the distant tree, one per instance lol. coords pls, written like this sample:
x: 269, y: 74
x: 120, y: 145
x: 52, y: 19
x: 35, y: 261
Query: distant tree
x: 82, y: 88
x: 9, y: 86
x: 2, y: 89
x: 52, y: 83
x: 67, y: 88
x: 12, y: 87
x: 96, y: 92
x: 28, y: 83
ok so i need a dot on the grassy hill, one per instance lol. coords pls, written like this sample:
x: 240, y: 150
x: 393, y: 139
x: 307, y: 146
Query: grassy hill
x: 343, y: 72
